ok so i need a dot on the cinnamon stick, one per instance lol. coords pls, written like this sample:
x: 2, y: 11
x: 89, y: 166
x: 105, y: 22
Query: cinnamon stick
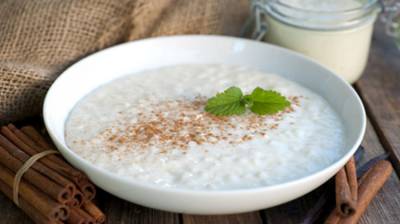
x: 31, y: 149
x: 78, y: 216
x: 95, y: 212
x: 87, y: 188
x: 75, y: 218
x: 88, y: 219
x: 367, y: 166
x: 346, y: 189
x: 49, y: 184
x: 44, y: 204
x: 370, y: 184
x: 316, y: 210
x: 39, y: 148
x: 77, y: 200
x: 30, y: 210
x: 59, y: 193
x: 36, y: 136
x: 23, y: 157
x: 37, y: 143
x: 351, y: 173
x: 345, y: 205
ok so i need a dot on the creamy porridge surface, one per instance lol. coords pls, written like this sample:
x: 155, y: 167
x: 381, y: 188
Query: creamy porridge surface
x: 151, y: 127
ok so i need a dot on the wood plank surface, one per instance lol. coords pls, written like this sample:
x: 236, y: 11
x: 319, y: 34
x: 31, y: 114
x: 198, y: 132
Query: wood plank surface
x: 380, y: 89
x: 294, y: 212
x: 120, y: 211
x: 244, y: 218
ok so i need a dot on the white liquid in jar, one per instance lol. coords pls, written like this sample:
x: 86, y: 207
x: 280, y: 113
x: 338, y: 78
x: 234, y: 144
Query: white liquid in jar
x: 324, y: 5
x: 344, y: 51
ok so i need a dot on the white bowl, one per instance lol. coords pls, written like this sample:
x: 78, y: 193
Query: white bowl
x: 101, y: 67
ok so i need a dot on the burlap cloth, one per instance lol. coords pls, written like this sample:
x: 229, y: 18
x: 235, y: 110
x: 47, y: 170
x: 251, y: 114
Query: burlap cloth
x: 40, y: 38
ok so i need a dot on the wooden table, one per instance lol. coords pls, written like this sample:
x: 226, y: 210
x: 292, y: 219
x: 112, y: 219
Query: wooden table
x: 380, y: 91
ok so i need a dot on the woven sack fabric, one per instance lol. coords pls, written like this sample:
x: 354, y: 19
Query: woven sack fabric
x: 40, y: 38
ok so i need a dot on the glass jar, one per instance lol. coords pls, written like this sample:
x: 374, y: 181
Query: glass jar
x: 337, y: 33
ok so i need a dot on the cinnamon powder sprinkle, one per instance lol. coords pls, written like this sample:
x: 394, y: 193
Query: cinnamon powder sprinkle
x: 176, y: 124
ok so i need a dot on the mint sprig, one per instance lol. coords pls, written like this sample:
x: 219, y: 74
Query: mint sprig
x: 230, y: 102
x: 233, y: 102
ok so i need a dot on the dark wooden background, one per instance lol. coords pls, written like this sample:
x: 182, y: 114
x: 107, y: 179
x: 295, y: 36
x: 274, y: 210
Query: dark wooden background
x: 380, y: 90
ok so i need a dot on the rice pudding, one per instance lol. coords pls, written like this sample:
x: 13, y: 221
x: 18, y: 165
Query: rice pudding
x: 151, y: 127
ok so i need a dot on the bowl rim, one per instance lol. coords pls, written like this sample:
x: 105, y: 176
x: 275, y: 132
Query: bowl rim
x: 64, y: 149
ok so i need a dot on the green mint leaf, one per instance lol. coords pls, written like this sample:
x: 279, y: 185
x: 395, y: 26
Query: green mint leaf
x: 227, y: 103
x: 267, y: 101
x: 260, y: 101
